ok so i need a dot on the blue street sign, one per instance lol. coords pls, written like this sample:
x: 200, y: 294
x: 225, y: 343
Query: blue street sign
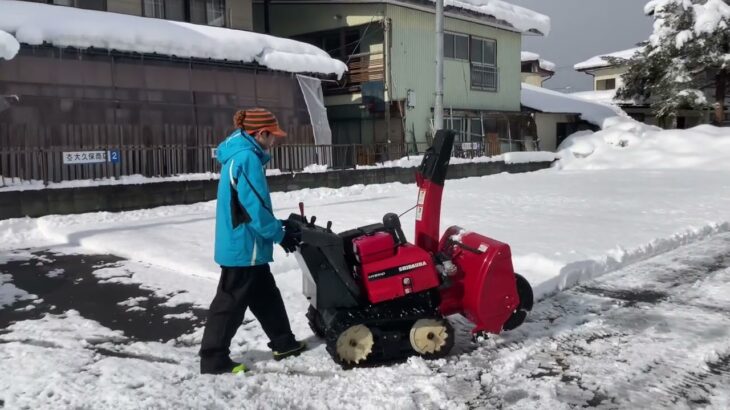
x: 114, y: 156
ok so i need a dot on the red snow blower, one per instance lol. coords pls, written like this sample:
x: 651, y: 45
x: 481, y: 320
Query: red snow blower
x: 374, y: 296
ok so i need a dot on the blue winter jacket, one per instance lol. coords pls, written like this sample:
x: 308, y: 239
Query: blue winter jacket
x: 245, y: 226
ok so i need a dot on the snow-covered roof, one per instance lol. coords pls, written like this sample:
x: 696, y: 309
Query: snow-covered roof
x: 544, y: 64
x: 521, y: 18
x: 599, y: 61
x: 34, y: 23
x: 603, y: 97
x: 549, y: 101
x: 8, y: 46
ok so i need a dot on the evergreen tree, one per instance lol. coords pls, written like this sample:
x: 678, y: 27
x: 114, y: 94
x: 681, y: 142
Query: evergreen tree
x: 688, y: 53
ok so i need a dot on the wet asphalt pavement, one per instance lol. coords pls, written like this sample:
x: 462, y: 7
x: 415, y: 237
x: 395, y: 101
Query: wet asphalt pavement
x: 63, y: 282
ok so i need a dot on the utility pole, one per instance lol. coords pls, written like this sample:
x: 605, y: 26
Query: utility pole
x: 438, y: 106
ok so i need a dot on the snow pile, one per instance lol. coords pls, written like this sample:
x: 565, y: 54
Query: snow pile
x: 550, y: 101
x: 521, y: 18
x: 9, y: 46
x: 528, y: 156
x: 35, y: 24
x: 600, y: 61
x: 544, y: 64
x: 626, y: 144
x: 315, y: 168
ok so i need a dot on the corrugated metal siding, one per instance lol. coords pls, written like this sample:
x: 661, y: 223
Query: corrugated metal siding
x: 413, y: 67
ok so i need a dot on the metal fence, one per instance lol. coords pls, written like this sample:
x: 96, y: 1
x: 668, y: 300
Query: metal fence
x: 39, y: 152
x: 35, y: 153
x: 493, y: 146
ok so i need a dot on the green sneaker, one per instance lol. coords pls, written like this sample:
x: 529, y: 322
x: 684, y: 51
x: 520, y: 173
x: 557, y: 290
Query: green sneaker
x: 227, y: 367
x: 294, y: 351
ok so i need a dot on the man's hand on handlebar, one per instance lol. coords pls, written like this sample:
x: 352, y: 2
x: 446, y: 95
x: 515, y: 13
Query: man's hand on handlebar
x: 292, y: 237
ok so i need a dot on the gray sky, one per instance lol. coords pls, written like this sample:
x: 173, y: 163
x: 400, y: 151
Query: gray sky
x: 582, y: 29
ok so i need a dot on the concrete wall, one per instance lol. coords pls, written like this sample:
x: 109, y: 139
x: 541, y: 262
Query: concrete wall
x: 115, y: 198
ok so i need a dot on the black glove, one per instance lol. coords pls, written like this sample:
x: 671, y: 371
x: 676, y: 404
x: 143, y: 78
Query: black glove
x: 291, y: 240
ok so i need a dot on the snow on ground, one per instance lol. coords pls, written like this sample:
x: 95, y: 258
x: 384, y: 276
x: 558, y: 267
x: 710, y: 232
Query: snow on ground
x: 544, y: 64
x: 599, y: 61
x: 9, y: 293
x: 549, y: 101
x: 34, y: 24
x: 584, y: 347
x: 9, y: 46
x: 562, y: 225
x: 653, y: 335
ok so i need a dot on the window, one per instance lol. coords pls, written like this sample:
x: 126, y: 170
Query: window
x: 216, y: 12
x: 608, y: 84
x: 475, y: 129
x: 352, y: 42
x: 164, y: 9
x: 175, y: 10
x: 210, y: 12
x: 529, y: 68
x: 483, y: 64
x: 153, y: 8
x: 456, y: 46
x: 457, y: 124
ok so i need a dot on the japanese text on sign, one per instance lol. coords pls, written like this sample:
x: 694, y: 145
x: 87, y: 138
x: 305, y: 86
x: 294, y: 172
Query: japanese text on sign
x: 85, y: 157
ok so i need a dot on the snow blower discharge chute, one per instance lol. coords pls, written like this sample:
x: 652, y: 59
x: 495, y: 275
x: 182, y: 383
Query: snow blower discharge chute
x: 375, y: 297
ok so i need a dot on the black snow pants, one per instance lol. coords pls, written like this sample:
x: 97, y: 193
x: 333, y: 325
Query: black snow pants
x: 240, y: 288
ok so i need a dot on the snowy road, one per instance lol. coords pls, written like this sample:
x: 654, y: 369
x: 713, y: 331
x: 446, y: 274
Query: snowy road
x: 655, y: 334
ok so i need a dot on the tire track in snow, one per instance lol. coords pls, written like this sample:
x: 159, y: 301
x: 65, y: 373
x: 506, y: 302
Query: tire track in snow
x: 656, y: 333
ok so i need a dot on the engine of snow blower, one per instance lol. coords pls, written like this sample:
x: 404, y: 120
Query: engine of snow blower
x: 373, y: 296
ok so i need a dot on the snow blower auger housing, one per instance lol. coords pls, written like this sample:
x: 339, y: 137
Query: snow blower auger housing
x: 375, y: 297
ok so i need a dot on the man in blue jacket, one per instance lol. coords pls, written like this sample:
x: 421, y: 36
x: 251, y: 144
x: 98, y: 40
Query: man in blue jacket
x: 245, y: 232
